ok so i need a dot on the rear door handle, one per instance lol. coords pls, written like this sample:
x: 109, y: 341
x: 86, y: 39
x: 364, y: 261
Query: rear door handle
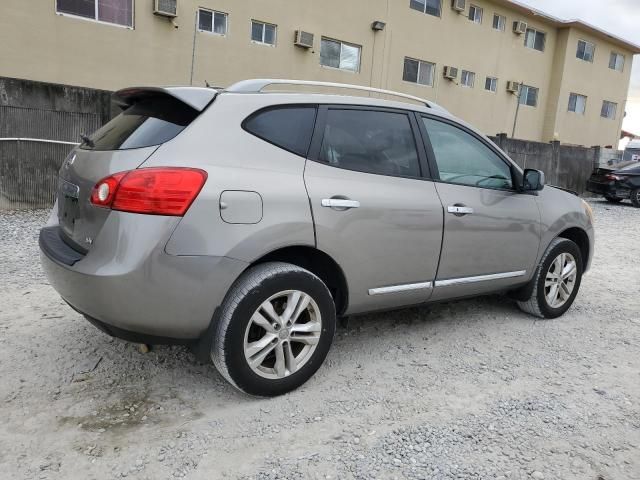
x: 340, y: 203
x: 459, y: 210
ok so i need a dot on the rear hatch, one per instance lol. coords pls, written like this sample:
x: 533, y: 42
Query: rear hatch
x: 150, y: 117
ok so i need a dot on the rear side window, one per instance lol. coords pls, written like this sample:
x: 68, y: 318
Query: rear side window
x: 290, y: 128
x: 149, y: 122
x: 371, y: 142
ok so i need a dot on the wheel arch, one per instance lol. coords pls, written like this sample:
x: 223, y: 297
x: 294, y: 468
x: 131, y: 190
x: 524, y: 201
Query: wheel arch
x: 578, y: 236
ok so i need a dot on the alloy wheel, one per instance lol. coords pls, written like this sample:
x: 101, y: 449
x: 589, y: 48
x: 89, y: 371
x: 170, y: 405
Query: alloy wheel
x: 560, y: 280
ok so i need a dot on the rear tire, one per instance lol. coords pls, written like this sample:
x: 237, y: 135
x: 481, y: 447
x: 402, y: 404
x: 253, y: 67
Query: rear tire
x: 612, y: 199
x: 276, y: 327
x: 556, y: 281
x: 635, y: 197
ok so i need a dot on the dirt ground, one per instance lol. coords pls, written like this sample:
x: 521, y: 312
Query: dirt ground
x: 469, y: 390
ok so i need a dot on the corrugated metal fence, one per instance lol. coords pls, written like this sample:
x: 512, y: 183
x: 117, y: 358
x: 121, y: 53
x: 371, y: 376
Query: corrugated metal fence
x: 33, y: 144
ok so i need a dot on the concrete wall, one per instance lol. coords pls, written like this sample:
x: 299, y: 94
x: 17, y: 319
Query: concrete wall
x: 38, y: 43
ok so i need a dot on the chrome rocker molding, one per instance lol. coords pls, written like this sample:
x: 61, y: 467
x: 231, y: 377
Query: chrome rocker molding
x: 444, y: 283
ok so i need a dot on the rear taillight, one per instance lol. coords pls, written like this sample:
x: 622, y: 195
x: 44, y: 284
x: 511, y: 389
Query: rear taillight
x: 613, y: 177
x: 153, y: 191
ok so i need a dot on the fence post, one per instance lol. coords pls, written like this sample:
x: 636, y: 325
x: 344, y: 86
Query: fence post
x: 597, y: 153
x: 502, y: 140
x: 555, y: 145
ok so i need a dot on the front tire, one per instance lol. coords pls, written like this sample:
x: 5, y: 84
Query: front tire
x: 276, y: 327
x: 556, y: 281
x: 612, y: 199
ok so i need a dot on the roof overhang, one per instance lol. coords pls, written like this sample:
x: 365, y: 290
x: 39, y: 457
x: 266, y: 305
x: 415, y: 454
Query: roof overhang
x: 196, y: 97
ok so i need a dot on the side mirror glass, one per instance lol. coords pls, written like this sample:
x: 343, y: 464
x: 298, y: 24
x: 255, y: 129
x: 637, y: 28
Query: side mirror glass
x: 533, y: 180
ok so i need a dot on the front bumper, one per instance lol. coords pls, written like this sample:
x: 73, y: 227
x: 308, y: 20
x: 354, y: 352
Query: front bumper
x: 129, y: 283
x: 609, y: 189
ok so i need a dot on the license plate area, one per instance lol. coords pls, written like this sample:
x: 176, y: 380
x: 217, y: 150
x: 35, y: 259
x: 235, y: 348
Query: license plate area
x: 68, y: 205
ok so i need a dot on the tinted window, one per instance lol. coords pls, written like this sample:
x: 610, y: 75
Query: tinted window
x: 148, y: 122
x: 465, y: 160
x: 290, y: 128
x: 369, y: 141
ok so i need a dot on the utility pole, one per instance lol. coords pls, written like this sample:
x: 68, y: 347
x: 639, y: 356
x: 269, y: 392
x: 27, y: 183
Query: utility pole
x: 515, y: 120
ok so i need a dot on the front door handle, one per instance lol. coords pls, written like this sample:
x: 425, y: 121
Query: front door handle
x: 459, y: 210
x: 340, y: 203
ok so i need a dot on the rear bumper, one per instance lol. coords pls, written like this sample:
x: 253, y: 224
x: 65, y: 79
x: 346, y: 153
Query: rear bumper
x: 129, y: 286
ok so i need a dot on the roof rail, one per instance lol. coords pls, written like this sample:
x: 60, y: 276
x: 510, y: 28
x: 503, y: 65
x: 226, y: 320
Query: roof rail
x: 259, y: 84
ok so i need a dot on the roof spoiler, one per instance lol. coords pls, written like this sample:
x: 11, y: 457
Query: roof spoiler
x: 197, y: 98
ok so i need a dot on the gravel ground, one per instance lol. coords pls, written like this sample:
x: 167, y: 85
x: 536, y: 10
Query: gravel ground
x: 468, y: 390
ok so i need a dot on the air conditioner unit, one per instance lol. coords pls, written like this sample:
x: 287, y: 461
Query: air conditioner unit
x: 166, y: 8
x: 304, y: 39
x: 513, y: 87
x: 450, y: 72
x: 459, y: 5
x: 520, y: 27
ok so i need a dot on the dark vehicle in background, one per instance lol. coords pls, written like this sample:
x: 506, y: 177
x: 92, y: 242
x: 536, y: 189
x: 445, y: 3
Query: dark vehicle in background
x: 617, y: 185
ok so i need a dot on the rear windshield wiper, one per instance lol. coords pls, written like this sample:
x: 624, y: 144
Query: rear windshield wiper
x: 87, y: 141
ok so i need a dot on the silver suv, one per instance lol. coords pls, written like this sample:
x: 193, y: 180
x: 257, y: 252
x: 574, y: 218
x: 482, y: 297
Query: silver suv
x: 243, y: 221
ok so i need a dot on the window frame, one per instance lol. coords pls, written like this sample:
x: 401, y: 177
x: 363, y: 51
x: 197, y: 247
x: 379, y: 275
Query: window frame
x: 536, y: 32
x: 96, y: 15
x: 468, y: 72
x: 516, y: 173
x: 609, y: 104
x: 577, y: 95
x: 476, y: 19
x: 522, y: 85
x: 213, y: 22
x: 624, y: 61
x: 424, y: 12
x: 342, y: 43
x: 420, y: 62
x: 494, y: 81
x: 264, y: 29
x: 321, y: 121
x: 586, y: 44
x: 504, y: 22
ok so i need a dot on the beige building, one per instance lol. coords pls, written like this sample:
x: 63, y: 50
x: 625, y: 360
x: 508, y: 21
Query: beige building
x: 575, y: 77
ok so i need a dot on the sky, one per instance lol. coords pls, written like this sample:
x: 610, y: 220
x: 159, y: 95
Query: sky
x: 619, y: 17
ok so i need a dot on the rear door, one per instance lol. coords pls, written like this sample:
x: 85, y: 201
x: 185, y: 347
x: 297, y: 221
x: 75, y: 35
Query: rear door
x: 491, y: 231
x: 374, y: 212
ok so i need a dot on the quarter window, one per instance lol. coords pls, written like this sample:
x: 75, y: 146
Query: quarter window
x: 499, y: 22
x: 263, y: 33
x: 464, y: 160
x: 616, y: 62
x: 609, y: 110
x: 535, y: 39
x: 371, y: 142
x: 577, y: 103
x: 528, y: 96
x: 475, y: 14
x: 468, y: 79
x: 417, y: 71
x: 118, y: 12
x: 286, y: 127
x: 212, y: 22
x: 430, y: 7
x: 336, y: 54
x: 585, y: 51
x: 491, y: 84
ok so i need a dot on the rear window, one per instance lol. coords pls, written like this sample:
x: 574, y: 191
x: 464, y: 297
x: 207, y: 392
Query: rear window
x: 287, y: 127
x: 149, y: 122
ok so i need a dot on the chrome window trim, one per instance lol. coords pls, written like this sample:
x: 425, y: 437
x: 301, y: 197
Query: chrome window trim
x: 400, y: 288
x: 479, y: 278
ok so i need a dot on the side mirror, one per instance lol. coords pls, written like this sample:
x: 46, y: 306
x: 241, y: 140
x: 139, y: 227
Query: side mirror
x: 533, y: 180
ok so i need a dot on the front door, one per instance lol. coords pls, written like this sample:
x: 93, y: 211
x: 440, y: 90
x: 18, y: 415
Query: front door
x: 373, y: 212
x: 491, y: 232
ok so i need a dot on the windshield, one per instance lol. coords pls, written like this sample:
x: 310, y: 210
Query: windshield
x: 149, y: 122
x: 633, y: 166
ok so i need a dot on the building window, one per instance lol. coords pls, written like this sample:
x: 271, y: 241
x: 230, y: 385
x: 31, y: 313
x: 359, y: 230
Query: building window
x: 577, y: 103
x: 263, y: 33
x: 609, y: 110
x: 475, y: 14
x: 336, y: 54
x: 616, y: 62
x: 528, y: 96
x: 212, y: 22
x: 118, y: 12
x: 468, y: 79
x: 535, y: 39
x: 499, y: 22
x: 491, y: 84
x: 430, y: 7
x: 585, y: 51
x: 417, y: 71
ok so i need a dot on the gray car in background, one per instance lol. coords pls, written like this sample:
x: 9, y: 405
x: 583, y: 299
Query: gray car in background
x: 243, y: 221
